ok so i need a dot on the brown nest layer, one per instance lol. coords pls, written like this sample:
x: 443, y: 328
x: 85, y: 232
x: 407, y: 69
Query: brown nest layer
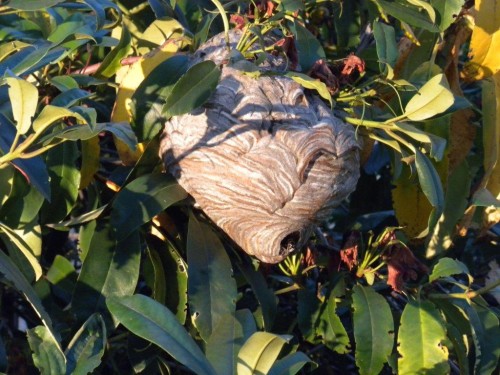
x: 265, y: 159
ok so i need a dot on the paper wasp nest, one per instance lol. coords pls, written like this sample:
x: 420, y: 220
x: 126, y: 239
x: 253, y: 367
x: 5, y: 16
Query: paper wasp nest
x: 264, y: 159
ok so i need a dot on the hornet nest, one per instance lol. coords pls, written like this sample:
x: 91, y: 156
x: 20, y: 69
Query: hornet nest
x: 263, y: 158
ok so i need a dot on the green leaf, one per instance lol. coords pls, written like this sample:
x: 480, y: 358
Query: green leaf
x: 227, y: 339
x: 373, y: 329
x: 62, y: 275
x: 447, y: 11
x: 385, y: 41
x: 291, y: 364
x: 211, y: 287
x: 330, y: 328
x: 9, y: 270
x: 265, y: 295
x: 433, y: 98
x: 431, y: 186
x: 47, y: 354
x: 447, y: 267
x: 141, y: 200
x: 152, y: 321
x: 50, y: 114
x: 313, y: 84
x: 420, y: 340
x: 64, y: 182
x: 151, y: 95
x: 33, y: 169
x: 489, y: 354
x: 404, y: 11
x: 193, y: 89
x: 85, y: 350
x: 23, y: 247
x: 31, y: 5
x: 167, y: 276
x: 484, y: 198
x: 110, y: 268
x: 112, y: 62
x: 438, y: 144
x: 308, y: 47
x: 23, y: 203
x: 70, y: 97
x: 23, y: 99
x: 456, y: 202
x: 260, y: 352
x: 347, y: 27
x: 90, y: 150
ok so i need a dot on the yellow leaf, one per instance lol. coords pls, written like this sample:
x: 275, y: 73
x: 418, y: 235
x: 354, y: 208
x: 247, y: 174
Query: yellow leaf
x: 131, y: 78
x: 485, y: 41
x: 412, y: 217
x: 492, y: 215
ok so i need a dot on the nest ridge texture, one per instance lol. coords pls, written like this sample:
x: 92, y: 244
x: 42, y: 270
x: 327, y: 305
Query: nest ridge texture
x: 263, y: 158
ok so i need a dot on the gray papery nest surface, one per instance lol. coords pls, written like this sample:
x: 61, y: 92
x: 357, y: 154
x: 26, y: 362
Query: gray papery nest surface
x: 265, y: 159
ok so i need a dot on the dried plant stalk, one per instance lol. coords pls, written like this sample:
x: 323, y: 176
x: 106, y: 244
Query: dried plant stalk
x: 264, y: 159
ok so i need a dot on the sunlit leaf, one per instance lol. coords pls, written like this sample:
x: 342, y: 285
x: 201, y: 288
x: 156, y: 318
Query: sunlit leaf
x: 21, y: 245
x: 47, y: 354
x: 259, y: 353
x: 62, y: 274
x: 227, y: 339
x: 192, y: 89
x: 50, y: 114
x: 85, y: 350
x: 485, y: 41
x: 211, y: 287
x: 291, y: 364
x: 373, y: 329
x: 112, y: 62
x: 420, y: 340
x: 447, y: 11
x: 404, y: 11
x: 24, y: 99
x: 313, y: 84
x: 33, y: 4
x: 448, y: 267
x: 433, y: 98
x: 152, y: 321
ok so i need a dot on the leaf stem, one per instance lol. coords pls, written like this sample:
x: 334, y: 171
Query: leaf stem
x: 225, y: 21
x: 368, y: 123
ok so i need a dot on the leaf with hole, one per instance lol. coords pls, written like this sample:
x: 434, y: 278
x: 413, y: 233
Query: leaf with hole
x: 373, y: 329
x: 211, y: 287
x: 110, y: 268
x: 47, y: 354
x: 86, y: 348
x: 420, y: 339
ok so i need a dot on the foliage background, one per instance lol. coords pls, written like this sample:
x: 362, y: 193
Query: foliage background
x: 107, y: 268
